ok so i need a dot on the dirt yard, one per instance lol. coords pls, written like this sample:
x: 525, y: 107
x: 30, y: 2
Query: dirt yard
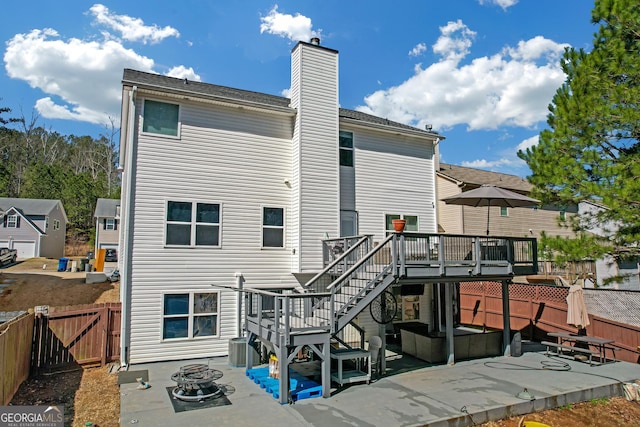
x: 92, y: 394
x: 89, y: 394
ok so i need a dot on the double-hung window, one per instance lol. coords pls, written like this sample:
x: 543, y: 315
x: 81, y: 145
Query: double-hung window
x: 56, y: 224
x: 272, y: 227
x: 161, y: 118
x: 192, y: 224
x: 12, y: 221
x: 346, y: 148
x: 504, y: 211
x: 110, y: 224
x: 190, y: 315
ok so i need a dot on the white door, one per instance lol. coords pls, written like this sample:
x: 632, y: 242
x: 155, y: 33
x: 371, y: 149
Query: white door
x: 25, y: 249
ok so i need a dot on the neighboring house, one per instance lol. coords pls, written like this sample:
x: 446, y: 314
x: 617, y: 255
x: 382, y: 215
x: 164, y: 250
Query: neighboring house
x: 516, y: 222
x: 35, y: 227
x: 222, y: 186
x: 107, y: 217
x: 624, y: 267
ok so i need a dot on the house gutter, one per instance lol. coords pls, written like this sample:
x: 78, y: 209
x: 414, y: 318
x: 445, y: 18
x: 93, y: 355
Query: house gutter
x: 127, y: 230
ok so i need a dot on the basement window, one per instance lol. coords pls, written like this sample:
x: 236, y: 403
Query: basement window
x: 190, y: 315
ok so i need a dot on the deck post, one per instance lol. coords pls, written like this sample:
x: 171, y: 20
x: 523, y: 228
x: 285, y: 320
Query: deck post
x: 506, y: 319
x: 282, y: 352
x: 448, y: 311
x: 382, y: 333
x: 325, y: 367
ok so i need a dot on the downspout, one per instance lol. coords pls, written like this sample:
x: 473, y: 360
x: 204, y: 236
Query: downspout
x: 126, y: 237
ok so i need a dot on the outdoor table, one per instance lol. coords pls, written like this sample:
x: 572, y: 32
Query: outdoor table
x: 357, y: 354
x: 599, y: 343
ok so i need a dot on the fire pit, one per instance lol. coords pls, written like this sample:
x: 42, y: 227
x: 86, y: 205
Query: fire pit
x: 196, y: 382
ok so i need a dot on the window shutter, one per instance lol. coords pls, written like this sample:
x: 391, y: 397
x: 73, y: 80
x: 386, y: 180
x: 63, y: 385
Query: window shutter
x: 4, y: 222
x: 104, y: 223
x: 115, y: 224
x: 18, y: 222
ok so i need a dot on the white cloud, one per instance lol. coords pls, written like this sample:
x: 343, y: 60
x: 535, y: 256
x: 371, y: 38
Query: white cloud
x: 504, y: 4
x: 510, y: 88
x: 508, y: 160
x: 183, y: 72
x: 81, y: 78
x: 295, y: 28
x: 487, y: 164
x: 131, y: 29
x: 528, y: 143
x: 418, y: 49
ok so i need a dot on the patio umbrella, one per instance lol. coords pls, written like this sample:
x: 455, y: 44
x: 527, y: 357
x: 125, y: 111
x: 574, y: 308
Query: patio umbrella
x: 576, y: 308
x: 490, y: 195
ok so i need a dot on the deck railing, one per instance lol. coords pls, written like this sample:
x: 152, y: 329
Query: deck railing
x: 282, y: 314
x: 362, y: 270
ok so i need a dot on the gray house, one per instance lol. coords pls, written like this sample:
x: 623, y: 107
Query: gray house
x: 35, y: 227
x: 107, y: 217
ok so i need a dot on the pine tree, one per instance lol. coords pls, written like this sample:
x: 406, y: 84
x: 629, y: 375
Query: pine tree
x: 591, y: 150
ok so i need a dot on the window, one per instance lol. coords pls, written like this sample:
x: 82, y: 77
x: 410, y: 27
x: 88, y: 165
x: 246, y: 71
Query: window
x: 408, y: 306
x: 110, y: 224
x: 46, y: 223
x: 12, y: 221
x: 410, y: 227
x: 160, y: 118
x: 346, y: 148
x: 563, y: 214
x: 504, y: 211
x: 56, y: 224
x: 272, y: 227
x: 193, y: 224
x: 190, y: 315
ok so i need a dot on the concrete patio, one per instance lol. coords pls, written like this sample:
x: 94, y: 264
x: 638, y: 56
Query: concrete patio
x: 470, y: 392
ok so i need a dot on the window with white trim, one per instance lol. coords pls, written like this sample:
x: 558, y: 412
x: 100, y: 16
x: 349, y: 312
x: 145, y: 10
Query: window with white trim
x: 190, y: 315
x: 161, y: 118
x: 192, y: 224
x: 56, y: 224
x: 46, y: 223
x: 110, y: 224
x: 563, y: 214
x: 411, y: 225
x: 504, y: 211
x: 12, y: 221
x: 272, y: 227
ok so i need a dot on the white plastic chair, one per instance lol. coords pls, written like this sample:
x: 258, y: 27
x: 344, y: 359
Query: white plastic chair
x: 375, y: 345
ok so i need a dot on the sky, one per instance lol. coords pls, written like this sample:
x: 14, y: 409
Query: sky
x: 480, y: 72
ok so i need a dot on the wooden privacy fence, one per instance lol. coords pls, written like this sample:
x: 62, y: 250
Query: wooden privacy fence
x: 537, y: 310
x: 82, y: 334
x: 15, y: 348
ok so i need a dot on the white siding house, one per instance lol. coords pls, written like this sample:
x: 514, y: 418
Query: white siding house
x: 222, y: 186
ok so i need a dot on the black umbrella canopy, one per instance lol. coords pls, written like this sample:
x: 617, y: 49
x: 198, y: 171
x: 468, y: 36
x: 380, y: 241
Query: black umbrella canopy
x: 490, y: 195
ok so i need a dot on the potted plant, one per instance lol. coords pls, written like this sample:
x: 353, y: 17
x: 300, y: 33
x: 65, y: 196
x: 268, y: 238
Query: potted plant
x: 398, y: 225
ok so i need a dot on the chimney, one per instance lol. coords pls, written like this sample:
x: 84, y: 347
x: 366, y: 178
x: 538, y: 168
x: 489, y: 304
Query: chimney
x: 315, y: 41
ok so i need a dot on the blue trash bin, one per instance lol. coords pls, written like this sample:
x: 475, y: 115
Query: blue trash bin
x: 62, y: 264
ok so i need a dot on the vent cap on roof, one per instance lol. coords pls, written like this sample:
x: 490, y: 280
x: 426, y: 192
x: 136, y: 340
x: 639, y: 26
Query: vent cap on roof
x: 315, y: 41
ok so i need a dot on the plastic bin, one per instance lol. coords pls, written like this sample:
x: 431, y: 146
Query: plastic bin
x: 83, y: 264
x: 62, y: 264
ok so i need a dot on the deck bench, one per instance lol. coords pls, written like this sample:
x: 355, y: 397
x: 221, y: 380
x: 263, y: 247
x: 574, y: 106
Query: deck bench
x: 560, y: 347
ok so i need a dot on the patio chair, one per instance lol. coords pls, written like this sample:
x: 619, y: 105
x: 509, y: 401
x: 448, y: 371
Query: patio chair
x: 375, y: 346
